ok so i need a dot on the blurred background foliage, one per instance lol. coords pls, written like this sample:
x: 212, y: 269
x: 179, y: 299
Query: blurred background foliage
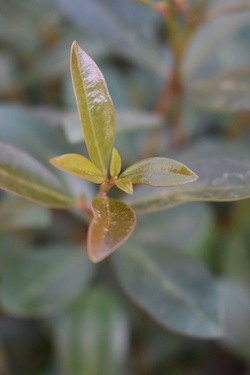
x: 59, y: 313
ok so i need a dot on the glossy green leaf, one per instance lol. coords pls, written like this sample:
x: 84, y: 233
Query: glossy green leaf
x: 95, y: 106
x: 21, y: 174
x: 125, y: 185
x: 45, y: 280
x: 175, y: 290
x: 91, y: 338
x: 115, y: 164
x: 112, y: 225
x: 79, y: 166
x: 159, y: 172
x: 220, y: 180
x: 17, y: 213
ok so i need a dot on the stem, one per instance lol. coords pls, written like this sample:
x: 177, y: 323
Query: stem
x: 106, y: 186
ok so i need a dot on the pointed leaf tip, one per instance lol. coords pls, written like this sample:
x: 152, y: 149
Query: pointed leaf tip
x: 159, y: 171
x: 95, y: 107
x: 115, y: 164
x: 125, y: 185
x: 112, y: 225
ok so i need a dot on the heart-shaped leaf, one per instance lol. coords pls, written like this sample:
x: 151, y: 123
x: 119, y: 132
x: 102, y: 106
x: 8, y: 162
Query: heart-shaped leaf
x: 79, y: 166
x: 113, y: 223
x: 159, y: 172
x: 23, y: 175
x: 95, y: 106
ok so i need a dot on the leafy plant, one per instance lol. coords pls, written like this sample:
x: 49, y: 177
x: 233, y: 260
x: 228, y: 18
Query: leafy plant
x: 183, y: 94
x: 113, y: 221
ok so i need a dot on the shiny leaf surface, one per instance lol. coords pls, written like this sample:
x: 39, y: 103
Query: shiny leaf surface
x: 92, y: 336
x: 220, y: 180
x: 112, y: 225
x: 79, y: 166
x: 21, y: 174
x: 175, y: 290
x: 45, y: 280
x: 159, y: 172
x: 125, y: 185
x: 115, y: 164
x: 95, y: 107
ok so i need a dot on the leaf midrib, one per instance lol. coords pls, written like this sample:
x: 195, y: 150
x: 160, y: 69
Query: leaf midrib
x: 37, y: 187
x: 91, y: 122
x: 169, y: 285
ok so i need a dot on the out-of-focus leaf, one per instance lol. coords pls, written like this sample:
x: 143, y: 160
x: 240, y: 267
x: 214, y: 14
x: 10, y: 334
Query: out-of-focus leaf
x: 30, y: 130
x: 236, y: 323
x: 172, y: 288
x: 115, y: 164
x: 17, y: 213
x: 95, y: 107
x: 185, y: 227
x: 125, y: 185
x: 219, y: 180
x: 23, y: 175
x: 45, y: 280
x: 118, y: 24
x: 28, y: 14
x: 79, y: 166
x: 226, y: 91
x: 210, y: 47
x: 92, y: 337
x: 217, y: 147
x: 159, y: 172
x: 11, y: 251
x: 130, y: 119
x: 224, y: 5
x: 111, y: 226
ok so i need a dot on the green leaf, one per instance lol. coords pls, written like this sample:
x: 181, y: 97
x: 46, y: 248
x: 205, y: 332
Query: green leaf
x: 17, y: 213
x: 21, y: 174
x: 125, y: 185
x: 115, y: 164
x: 175, y: 290
x: 79, y: 166
x: 226, y: 91
x: 126, y: 26
x: 235, y: 297
x: 129, y: 119
x: 91, y: 338
x: 45, y: 281
x: 159, y: 172
x: 112, y: 225
x: 95, y: 106
x: 186, y: 228
x: 220, y: 180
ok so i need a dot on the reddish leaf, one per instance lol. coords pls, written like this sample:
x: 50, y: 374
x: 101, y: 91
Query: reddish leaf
x: 111, y: 226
